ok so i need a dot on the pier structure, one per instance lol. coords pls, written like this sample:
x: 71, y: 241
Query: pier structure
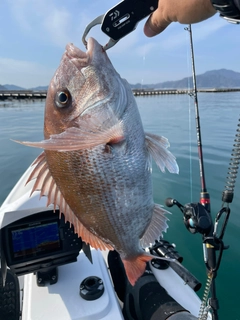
x: 30, y: 94
x: 152, y: 92
x: 22, y: 94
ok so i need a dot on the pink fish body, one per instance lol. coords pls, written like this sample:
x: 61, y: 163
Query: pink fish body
x: 96, y: 163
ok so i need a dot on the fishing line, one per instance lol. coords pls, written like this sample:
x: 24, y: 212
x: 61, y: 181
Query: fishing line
x: 197, y: 216
x: 204, y: 195
x: 143, y: 67
x: 189, y: 121
x: 190, y: 150
x: 208, y: 243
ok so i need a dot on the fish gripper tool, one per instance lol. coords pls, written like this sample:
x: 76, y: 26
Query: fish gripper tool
x: 121, y: 20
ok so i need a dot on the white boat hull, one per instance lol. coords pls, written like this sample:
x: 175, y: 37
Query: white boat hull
x: 62, y: 300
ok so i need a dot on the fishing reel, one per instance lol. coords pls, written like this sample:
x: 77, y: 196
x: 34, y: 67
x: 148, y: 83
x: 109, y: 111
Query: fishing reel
x: 196, y: 217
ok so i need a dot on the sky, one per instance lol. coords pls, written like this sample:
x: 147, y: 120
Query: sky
x: 34, y: 33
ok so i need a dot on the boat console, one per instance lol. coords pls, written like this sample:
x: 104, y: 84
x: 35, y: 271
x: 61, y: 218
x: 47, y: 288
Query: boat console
x: 40, y: 242
x: 58, y: 278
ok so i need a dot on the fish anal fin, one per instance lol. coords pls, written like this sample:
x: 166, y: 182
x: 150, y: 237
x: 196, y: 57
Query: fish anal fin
x: 88, y: 237
x: 157, y: 225
x: 157, y: 148
x: 135, y: 267
x: 47, y: 186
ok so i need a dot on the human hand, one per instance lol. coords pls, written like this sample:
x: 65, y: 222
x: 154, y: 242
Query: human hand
x: 182, y: 11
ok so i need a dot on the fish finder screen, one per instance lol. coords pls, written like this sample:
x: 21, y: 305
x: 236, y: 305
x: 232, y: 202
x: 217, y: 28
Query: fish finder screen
x: 35, y: 240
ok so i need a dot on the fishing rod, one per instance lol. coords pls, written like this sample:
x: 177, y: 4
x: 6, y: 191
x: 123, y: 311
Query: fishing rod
x: 209, y: 246
x: 204, y: 195
x: 197, y: 217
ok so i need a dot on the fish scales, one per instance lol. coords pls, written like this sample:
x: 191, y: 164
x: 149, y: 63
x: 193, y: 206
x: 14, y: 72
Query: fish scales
x: 96, y: 163
x: 106, y: 186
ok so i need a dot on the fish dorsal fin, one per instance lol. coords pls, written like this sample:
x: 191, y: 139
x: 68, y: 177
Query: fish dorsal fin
x: 47, y: 187
x: 157, y: 148
x: 157, y: 225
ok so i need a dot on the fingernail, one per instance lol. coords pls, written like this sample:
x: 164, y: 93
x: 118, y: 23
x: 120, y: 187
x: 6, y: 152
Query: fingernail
x: 148, y: 31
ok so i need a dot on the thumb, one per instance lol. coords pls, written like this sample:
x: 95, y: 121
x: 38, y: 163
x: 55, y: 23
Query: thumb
x: 155, y: 24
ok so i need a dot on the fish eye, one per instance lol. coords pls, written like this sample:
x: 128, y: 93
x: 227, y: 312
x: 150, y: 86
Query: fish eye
x: 62, y: 98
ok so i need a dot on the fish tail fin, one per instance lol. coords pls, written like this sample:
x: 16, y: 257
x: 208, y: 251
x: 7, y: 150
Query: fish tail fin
x: 136, y: 266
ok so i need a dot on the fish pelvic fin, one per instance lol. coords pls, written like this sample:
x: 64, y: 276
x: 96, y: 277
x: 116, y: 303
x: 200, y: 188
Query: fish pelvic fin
x: 45, y: 183
x: 85, y: 137
x: 157, y: 147
x: 157, y: 225
x: 135, y: 267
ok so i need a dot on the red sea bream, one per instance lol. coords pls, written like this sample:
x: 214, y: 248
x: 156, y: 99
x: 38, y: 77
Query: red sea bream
x: 96, y: 163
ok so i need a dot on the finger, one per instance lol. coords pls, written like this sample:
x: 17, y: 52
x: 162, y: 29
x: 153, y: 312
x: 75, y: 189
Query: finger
x: 183, y: 11
x: 155, y: 24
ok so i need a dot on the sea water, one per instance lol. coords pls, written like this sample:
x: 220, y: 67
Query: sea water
x: 172, y: 116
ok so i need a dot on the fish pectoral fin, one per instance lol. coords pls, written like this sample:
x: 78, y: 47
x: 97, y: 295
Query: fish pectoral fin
x: 157, y: 148
x: 45, y: 183
x: 157, y: 225
x: 80, y: 138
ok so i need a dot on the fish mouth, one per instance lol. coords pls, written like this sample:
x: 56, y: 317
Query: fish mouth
x: 78, y: 57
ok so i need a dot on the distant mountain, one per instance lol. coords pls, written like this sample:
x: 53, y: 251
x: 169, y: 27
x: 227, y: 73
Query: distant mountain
x: 13, y: 87
x: 2, y: 88
x: 40, y: 88
x: 222, y: 78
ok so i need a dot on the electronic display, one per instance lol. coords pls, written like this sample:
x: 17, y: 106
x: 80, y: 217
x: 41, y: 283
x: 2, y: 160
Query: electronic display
x: 35, y: 240
x: 38, y: 242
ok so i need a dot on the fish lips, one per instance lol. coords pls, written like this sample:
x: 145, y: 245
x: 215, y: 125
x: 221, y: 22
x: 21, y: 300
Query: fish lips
x: 80, y: 58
